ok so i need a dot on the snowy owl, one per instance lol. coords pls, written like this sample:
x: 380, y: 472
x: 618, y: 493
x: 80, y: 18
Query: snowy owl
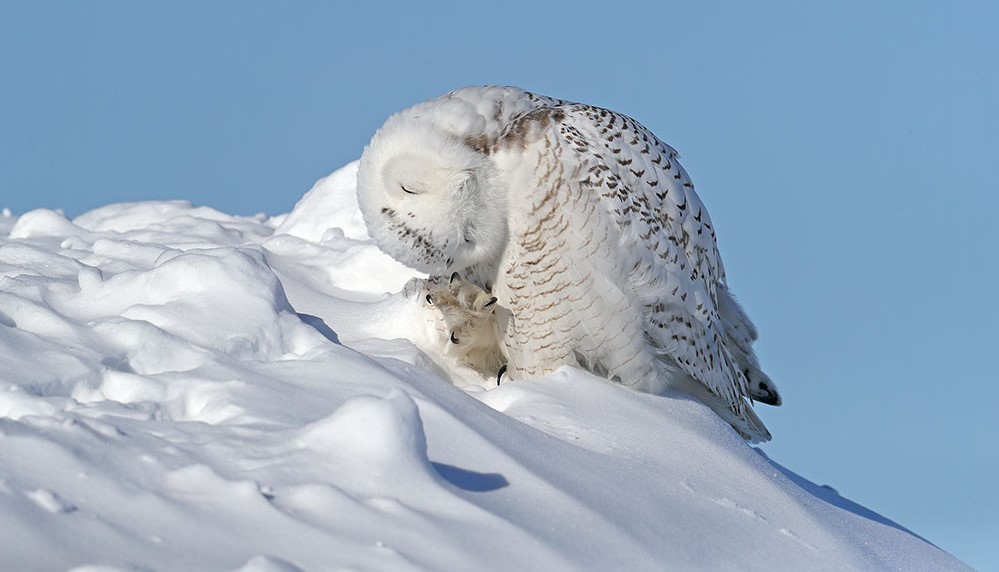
x: 566, y: 234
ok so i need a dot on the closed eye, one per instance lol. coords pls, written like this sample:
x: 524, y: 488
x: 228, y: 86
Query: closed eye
x: 405, y: 190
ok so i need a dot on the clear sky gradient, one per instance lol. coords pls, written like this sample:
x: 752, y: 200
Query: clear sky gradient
x: 847, y: 151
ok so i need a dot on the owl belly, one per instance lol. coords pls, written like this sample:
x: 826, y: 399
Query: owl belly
x: 560, y: 316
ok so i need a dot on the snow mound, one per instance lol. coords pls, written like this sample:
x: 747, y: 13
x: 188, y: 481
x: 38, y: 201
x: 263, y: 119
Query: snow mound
x: 184, y: 389
x: 326, y: 211
x: 381, y: 438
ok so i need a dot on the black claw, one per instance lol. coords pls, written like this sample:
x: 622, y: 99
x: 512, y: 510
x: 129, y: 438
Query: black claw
x: 454, y: 339
x: 429, y: 299
x: 490, y: 302
x: 454, y: 276
x: 499, y: 376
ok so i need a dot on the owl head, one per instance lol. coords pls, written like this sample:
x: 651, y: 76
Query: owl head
x: 429, y: 199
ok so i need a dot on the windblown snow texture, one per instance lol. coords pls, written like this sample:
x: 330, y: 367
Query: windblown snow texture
x: 182, y: 389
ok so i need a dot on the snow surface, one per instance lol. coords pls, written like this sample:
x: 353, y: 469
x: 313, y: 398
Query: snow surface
x: 182, y: 389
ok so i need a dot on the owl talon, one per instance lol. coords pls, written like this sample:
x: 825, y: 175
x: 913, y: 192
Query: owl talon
x: 465, y: 318
x: 499, y: 375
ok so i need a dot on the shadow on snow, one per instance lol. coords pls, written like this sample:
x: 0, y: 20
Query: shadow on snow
x: 470, y: 480
x: 832, y: 496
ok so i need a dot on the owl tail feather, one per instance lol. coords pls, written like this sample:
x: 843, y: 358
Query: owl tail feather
x: 740, y: 334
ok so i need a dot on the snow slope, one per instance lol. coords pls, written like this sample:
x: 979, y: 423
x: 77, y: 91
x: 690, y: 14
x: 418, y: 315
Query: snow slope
x: 181, y: 389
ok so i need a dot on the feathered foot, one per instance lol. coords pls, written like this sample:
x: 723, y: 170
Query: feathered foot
x: 470, y: 320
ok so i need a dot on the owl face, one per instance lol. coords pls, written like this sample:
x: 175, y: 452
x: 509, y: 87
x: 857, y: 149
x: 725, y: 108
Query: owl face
x: 431, y: 204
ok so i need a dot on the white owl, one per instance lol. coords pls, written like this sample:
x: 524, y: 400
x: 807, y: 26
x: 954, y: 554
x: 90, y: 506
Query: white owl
x: 584, y: 230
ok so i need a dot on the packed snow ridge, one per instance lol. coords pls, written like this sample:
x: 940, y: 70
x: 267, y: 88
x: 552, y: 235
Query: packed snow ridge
x: 182, y: 389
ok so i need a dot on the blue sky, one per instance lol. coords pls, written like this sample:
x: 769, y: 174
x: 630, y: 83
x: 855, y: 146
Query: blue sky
x: 847, y: 152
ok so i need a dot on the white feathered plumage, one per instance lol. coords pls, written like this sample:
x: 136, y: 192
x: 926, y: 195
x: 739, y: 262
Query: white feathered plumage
x: 585, y: 228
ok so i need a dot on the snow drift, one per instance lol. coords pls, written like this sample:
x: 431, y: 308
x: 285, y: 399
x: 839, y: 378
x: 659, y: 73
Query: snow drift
x: 182, y: 389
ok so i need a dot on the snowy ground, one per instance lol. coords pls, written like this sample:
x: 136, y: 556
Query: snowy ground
x: 182, y: 389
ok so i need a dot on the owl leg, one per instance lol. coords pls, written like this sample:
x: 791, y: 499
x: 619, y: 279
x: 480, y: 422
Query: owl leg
x: 470, y: 321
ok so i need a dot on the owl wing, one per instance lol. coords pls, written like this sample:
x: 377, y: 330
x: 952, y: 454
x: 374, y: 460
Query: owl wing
x: 612, y: 183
